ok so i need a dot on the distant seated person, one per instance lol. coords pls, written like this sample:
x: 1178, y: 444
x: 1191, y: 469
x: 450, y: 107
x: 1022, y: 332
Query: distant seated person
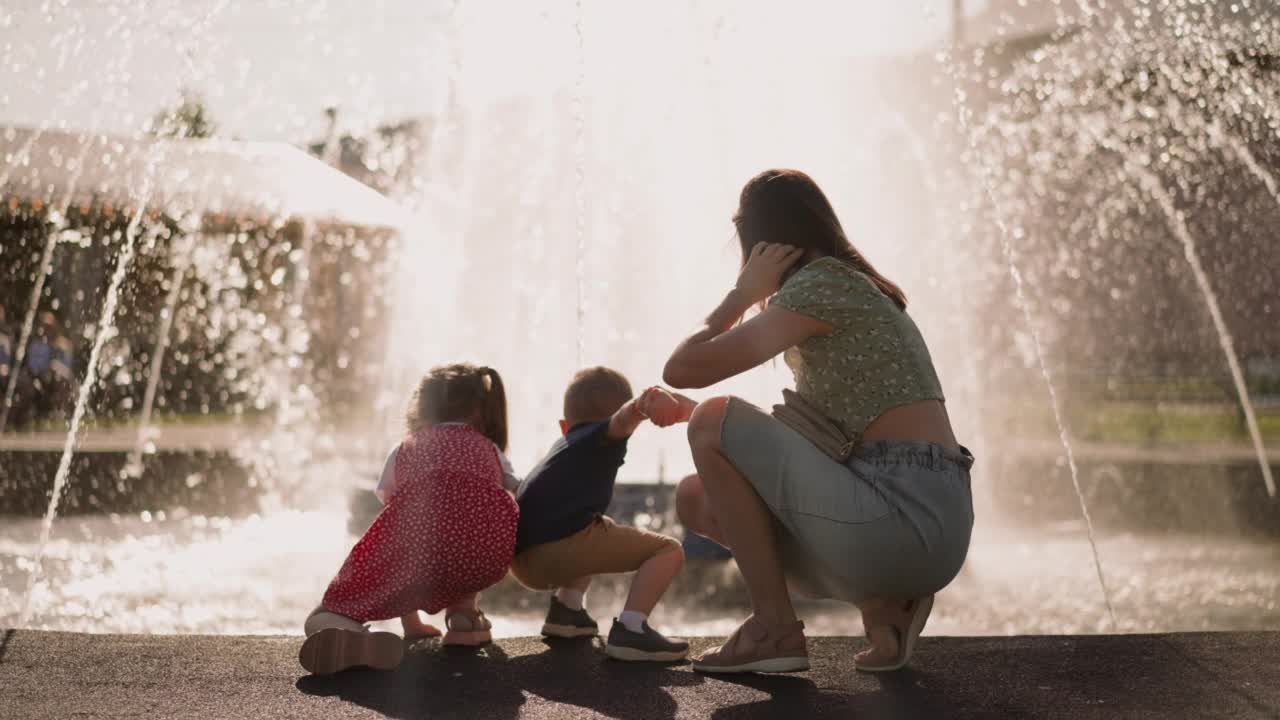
x: 47, y: 375
x: 6, y: 350
x: 564, y: 539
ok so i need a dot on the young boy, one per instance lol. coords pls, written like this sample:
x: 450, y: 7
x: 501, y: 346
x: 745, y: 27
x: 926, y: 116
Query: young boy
x: 564, y: 538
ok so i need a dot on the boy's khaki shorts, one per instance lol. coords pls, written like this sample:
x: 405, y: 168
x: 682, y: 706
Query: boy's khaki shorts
x: 601, y: 548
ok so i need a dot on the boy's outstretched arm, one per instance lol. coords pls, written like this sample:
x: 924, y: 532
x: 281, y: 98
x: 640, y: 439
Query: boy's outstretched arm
x: 624, y: 422
x: 659, y: 406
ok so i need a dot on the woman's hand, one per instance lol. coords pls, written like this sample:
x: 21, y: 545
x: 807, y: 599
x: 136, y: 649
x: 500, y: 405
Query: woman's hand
x: 762, y: 275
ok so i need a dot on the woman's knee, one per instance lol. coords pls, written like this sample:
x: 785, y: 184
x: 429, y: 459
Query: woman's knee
x: 706, y: 421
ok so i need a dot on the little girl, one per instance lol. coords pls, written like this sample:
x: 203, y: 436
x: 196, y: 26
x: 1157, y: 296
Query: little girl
x: 447, y: 531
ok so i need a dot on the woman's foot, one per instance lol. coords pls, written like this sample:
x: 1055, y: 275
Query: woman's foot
x: 466, y: 626
x: 415, y: 629
x: 758, y: 646
x: 893, y: 630
x: 333, y: 650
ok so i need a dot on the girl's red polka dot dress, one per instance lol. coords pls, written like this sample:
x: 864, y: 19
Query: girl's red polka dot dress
x: 448, y: 530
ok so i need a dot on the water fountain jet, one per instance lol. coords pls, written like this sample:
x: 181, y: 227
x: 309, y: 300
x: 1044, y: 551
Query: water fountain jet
x: 1177, y: 224
x: 106, y: 323
x: 1005, y: 234
x: 58, y: 215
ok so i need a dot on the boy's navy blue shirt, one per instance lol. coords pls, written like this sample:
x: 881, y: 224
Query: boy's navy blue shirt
x: 571, y: 487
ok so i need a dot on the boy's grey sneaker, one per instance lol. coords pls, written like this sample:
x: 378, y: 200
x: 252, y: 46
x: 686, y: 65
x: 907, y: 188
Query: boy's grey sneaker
x: 649, y: 645
x: 564, y: 622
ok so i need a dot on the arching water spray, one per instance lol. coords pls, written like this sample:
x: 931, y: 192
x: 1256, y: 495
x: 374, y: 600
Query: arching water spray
x: 57, y: 216
x: 106, y: 324
x: 1245, y: 156
x: 1220, y: 72
x: 433, y: 198
x: 580, y: 177
x: 69, y: 40
x: 133, y: 465
x: 1006, y: 245
x: 1178, y: 225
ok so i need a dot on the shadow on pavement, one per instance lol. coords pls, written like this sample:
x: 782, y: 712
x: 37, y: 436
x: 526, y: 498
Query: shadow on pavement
x: 1068, y: 677
x: 902, y: 694
x: 486, y: 682
x: 435, y: 683
x: 4, y: 642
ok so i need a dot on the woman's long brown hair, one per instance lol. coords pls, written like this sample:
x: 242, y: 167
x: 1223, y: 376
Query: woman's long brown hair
x: 461, y: 392
x: 787, y: 206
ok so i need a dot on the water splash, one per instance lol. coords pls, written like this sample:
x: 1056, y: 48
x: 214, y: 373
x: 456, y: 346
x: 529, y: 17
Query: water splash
x: 106, y: 325
x: 431, y: 194
x: 58, y: 217
x: 580, y: 177
x: 133, y: 464
x: 1177, y: 224
x: 1005, y: 234
x: 1209, y: 71
x: 1246, y: 158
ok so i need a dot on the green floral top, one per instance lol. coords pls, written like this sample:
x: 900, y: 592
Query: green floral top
x: 873, y: 361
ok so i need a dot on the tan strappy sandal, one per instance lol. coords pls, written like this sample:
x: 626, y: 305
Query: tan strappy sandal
x: 775, y: 649
x: 917, y: 616
x: 467, y: 628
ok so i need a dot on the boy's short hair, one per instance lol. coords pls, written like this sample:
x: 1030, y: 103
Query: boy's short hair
x: 595, y: 394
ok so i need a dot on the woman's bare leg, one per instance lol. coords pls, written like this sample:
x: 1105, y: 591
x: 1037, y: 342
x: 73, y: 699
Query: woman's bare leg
x: 694, y: 510
x: 742, y: 515
x: 879, y: 617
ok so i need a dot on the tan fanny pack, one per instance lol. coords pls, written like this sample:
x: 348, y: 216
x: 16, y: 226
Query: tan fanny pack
x: 803, y: 417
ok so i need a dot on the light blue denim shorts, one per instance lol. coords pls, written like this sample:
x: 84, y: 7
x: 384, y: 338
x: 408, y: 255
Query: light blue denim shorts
x: 892, y: 522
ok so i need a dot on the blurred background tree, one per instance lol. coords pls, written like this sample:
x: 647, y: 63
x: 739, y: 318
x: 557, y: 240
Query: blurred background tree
x: 188, y: 119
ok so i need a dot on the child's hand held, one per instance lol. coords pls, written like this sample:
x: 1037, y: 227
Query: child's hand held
x: 661, y: 408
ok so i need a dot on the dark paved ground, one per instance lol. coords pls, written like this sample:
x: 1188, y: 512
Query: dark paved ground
x: 59, y: 675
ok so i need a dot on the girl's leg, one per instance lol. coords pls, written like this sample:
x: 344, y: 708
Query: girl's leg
x: 465, y: 623
x: 745, y: 521
x: 415, y: 628
x: 468, y: 603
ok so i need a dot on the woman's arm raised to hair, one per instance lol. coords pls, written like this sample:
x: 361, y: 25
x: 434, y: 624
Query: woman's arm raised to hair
x: 717, y: 352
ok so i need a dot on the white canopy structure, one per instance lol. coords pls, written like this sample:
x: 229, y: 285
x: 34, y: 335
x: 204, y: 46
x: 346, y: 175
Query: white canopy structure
x: 228, y: 182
